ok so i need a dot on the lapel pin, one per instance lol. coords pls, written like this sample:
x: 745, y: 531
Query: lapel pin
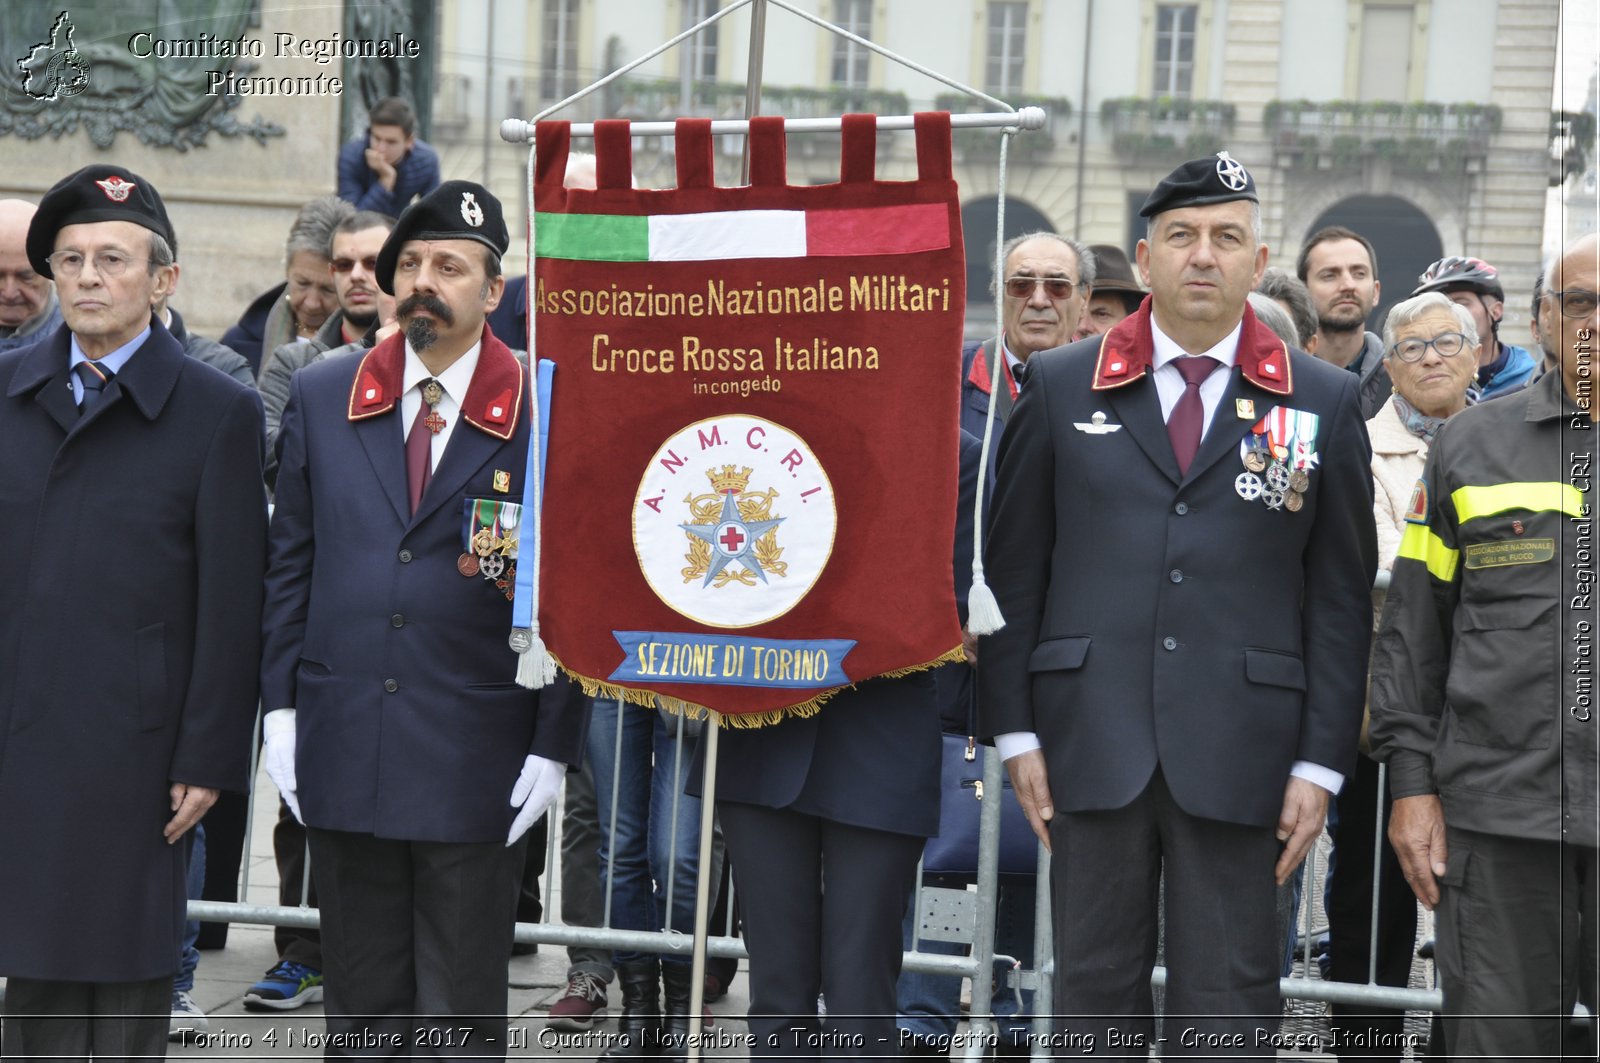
x: 502, y: 482
x: 1245, y: 409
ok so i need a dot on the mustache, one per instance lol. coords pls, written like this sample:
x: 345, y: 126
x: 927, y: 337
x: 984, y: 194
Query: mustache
x: 423, y: 301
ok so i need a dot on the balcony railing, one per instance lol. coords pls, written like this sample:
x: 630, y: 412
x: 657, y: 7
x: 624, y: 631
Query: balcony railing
x: 1162, y: 128
x: 1342, y: 134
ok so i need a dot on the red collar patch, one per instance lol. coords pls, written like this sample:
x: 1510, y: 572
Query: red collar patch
x: 979, y: 375
x: 1128, y: 350
x: 494, y: 397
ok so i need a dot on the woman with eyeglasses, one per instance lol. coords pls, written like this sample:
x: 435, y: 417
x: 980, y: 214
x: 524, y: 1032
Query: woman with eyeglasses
x: 1431, y: 353
x: 297, y: 308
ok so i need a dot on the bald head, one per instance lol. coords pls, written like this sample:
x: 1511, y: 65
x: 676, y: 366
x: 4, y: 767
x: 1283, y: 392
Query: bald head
x: 1569, y: 314
x: 24, y: 295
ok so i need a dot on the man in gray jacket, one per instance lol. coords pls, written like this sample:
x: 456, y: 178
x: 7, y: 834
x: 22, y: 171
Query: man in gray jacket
x: 1340, y: 268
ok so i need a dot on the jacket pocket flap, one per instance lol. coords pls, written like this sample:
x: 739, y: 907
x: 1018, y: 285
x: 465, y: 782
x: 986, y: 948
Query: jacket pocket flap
x: 1504, y: 613
x: 1059, y: 654
x: 1275, y: 669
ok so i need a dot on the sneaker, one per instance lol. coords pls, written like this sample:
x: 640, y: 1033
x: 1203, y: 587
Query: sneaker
x: 287, y: 986
x: 581, y: 1006
x: 187, y: 1018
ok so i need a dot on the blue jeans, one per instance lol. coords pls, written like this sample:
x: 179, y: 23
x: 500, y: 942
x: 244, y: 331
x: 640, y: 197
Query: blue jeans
x: 657, y: 824
x: 189, y: 956
x: 929, y: 1005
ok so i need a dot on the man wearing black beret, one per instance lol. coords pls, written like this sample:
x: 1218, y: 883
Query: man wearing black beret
x: 395, y: 730
x: 1182, y: 547
x: 132, y: 544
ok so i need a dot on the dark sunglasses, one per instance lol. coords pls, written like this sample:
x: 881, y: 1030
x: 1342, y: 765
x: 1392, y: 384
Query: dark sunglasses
x: 345, y: 265
x: 1054, y: 287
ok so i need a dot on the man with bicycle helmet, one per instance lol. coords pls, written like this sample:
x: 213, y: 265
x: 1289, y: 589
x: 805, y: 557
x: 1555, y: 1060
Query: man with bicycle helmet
x: 1474, y: 284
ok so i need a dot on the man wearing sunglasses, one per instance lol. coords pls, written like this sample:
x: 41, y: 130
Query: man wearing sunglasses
x: 1047, y: 279
x: 1483, y: 696
x: 353, y: 261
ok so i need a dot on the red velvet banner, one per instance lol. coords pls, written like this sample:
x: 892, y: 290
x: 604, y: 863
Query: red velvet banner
x: 750, y: 493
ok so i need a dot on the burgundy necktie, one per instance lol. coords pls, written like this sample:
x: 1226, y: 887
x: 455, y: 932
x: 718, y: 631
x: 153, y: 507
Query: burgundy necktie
x: 419, y: 455
x: 1183, y: 427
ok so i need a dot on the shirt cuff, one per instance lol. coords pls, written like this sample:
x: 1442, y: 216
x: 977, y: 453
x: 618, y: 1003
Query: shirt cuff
x: 1015, y: 743
x: 1326, y: 778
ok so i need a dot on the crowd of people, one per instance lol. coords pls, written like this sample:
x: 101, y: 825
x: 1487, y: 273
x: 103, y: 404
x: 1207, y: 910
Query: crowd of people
x: 1197, y: 467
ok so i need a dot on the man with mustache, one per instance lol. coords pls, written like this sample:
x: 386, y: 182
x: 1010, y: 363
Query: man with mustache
x: 1339, y: 267
x: 395, y: 730
x: 1173, y: 687
x: 28, y: 307
x: 352, y: 260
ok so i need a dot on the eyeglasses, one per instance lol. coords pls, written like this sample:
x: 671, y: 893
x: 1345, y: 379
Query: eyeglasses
x: 1448, y: 344
x: 1577, y: 303
x: 1054, y: 287
x: 106, y: 263
x: 345, y: 265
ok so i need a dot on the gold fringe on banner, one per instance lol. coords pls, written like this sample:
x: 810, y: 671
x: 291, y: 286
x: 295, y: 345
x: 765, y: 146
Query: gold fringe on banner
x: 649, y: 699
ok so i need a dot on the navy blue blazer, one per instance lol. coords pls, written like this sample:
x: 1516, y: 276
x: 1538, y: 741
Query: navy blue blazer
x: 409, y: 722
x: 1154, y: 618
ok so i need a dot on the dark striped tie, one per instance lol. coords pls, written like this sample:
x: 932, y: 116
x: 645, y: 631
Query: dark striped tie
x: 94, y: 381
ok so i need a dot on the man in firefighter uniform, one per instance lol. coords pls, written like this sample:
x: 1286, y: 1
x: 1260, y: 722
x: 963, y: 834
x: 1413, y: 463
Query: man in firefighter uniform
x: 1482, y: 695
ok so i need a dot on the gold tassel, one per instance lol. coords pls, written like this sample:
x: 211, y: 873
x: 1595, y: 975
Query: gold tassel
x: 598, y: 688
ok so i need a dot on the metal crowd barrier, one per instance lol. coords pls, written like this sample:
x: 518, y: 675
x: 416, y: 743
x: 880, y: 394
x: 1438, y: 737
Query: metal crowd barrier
x: 940, y: 915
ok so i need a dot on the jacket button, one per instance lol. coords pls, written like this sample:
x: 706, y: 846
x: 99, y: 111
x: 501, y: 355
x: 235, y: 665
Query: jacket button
x: 1169, y: 643
x: 405, y: 557
x: 1175, y: 576
x: 1181, y: 508
x: 397, y: 620
x: 390, y: 685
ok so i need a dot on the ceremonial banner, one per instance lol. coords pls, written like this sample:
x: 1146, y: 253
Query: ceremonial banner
x: 751, y: 492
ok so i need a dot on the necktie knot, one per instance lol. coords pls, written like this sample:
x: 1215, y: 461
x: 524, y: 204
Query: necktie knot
x: 1195, y: 370
x: 1019, y: 373
x: 94, y: 380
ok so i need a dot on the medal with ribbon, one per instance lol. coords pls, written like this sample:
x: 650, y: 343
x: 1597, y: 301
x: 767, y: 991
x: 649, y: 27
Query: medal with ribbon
x: 489, y: 534
x: 1254, y: 454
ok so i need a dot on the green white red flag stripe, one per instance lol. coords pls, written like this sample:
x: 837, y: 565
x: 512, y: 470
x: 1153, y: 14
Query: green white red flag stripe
x: 741, y: 234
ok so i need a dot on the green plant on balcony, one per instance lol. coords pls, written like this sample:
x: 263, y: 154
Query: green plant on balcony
x: 1345, y: 151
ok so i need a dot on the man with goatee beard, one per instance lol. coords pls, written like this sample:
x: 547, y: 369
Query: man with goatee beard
x: 395, y: 730
x: 1339, y: 267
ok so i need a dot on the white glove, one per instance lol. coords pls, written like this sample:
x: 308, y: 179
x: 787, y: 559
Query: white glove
x: 278, y: 755
x: 535, y: 791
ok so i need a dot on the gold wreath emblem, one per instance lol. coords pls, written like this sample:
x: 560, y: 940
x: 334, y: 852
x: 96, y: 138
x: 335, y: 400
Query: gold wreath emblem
x: 753, y: 505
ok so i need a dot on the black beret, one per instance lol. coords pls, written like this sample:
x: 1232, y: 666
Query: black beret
x: 456, y: 210
x: 95, y: 193
x: 1218, y: 179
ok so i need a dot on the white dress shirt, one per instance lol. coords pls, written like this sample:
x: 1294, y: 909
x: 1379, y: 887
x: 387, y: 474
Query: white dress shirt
x: 1169, y: 389
x: 453, y: 380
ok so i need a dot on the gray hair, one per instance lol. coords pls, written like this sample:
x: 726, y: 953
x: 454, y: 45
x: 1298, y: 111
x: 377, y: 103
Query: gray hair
x: 1274, y: 317
x: 313, y: 227
x: 161, y: 254
x: 1286, y: 290
x: 1080, y: 251
x: 1404, y: 313
x: 1255, y: 223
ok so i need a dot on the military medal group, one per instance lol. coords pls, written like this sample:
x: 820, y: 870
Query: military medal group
x: 489, y: 525
x: 1278, y: 455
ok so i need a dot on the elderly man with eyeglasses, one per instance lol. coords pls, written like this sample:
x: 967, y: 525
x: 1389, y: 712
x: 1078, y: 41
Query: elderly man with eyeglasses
x: 1483, y: 692
x: 132, y: 549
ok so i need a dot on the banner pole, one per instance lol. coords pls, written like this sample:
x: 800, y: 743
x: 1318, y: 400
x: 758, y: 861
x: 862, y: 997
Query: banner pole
x: 702, y: 897
x: 520, y: 130
x: 753, y: 74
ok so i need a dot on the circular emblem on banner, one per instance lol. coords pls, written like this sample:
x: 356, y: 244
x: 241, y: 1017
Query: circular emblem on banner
x: 734, y: 521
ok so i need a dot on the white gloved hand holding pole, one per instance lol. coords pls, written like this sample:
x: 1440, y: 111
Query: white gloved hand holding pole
x: 278, y: 729
x: 535, y: 790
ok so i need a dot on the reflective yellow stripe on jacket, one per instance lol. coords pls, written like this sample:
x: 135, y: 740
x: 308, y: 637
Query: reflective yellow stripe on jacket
x: 1420, y: 544
x: 1487, y: 500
